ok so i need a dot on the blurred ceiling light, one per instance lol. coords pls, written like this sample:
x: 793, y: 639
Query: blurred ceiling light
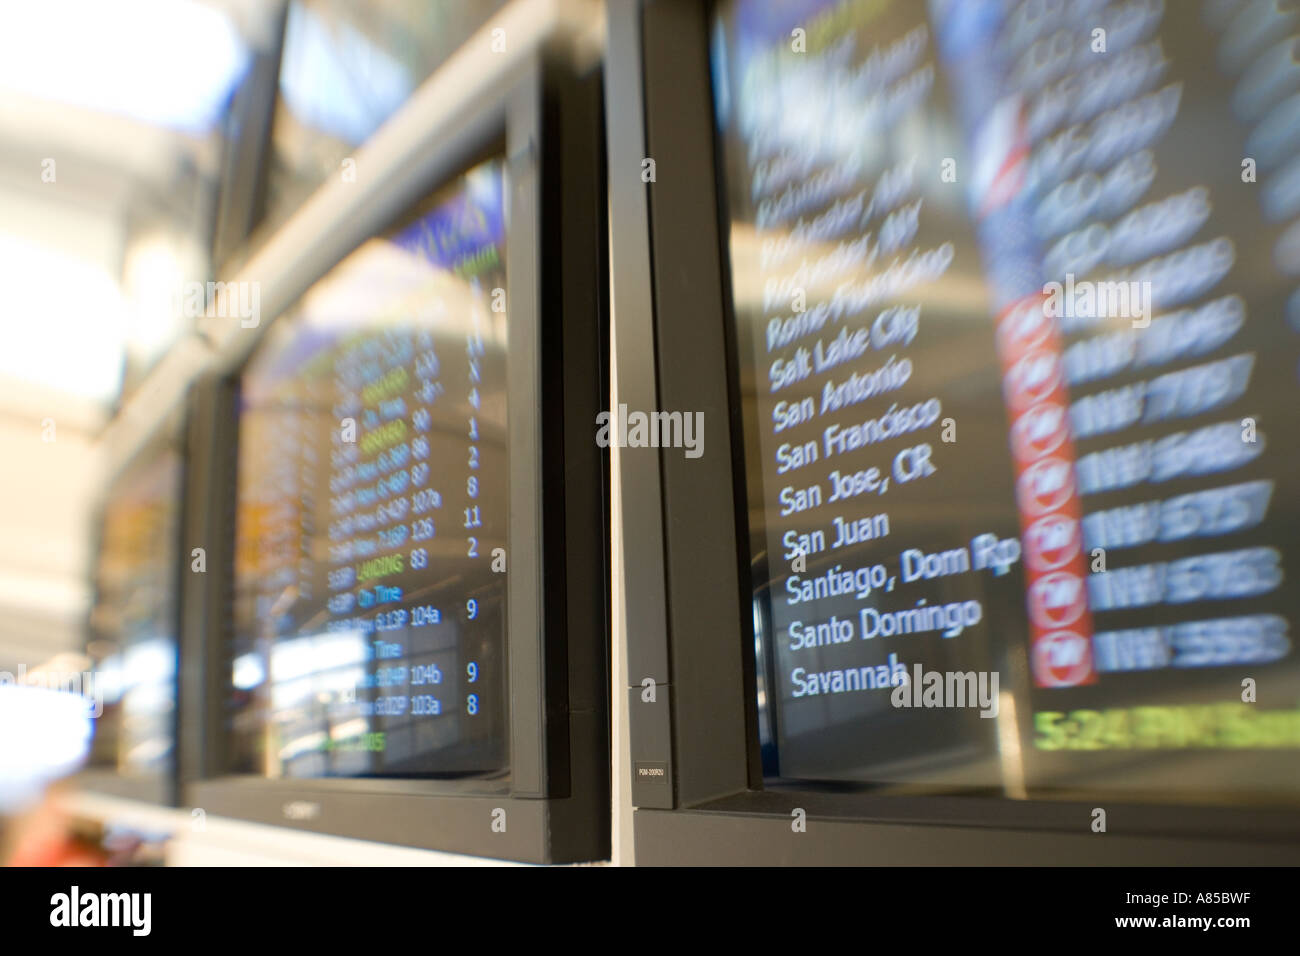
x: 316, y: 653
x: 154, y: 275
x: 111, y: 679
x: 53, y: 740
x: 151, y: 661
x: 249, y: 671
x: 169, y: 63
x: 62, y: 320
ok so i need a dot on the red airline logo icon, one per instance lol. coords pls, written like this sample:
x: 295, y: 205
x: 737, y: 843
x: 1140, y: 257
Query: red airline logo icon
x: 1025, y: 326
x: 1033, y: 378
x: 1057, y: 600
x: 1056, y: 591
x: 1045, y: 486
x: 1040, y: 430
x: 1052, y: 542
x: 1062, y: 659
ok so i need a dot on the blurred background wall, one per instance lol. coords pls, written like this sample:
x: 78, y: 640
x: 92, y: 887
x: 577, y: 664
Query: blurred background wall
x: 146, y: 145
x: 111, y: 148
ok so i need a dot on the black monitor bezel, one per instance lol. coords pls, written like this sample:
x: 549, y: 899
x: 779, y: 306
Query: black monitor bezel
x: 557, y: 807
x: 697, y: 782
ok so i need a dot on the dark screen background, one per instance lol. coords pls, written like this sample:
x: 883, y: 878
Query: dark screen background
x: 938, y: 164
x: 372, y: 491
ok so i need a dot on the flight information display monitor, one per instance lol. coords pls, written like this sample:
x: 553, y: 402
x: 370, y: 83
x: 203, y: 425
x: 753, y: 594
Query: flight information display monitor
x: 133, y: 624
x: 371, y: 516
x: 1015, y: 299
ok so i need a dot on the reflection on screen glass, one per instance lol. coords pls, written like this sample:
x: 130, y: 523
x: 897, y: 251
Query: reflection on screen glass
x: 346, y: 68
x: 133, y: 641
x: 369, y: 607
x: 1015, y: 294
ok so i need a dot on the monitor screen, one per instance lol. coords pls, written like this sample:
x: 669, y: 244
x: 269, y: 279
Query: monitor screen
x: 369, y: 604
x: 1014, y: 293
x: 133, y: 624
